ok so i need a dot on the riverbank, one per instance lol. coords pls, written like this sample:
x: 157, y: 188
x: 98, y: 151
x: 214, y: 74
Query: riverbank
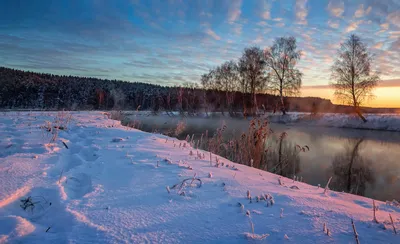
x: 379, y: 122
x: 90, y: 179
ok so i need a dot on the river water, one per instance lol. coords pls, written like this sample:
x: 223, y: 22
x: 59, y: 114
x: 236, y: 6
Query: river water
x: 362, y: 162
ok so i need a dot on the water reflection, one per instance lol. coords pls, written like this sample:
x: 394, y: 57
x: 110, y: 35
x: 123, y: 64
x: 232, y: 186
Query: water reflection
x: 351, y: 170
x: 374, y: 170
x: 282, y: 157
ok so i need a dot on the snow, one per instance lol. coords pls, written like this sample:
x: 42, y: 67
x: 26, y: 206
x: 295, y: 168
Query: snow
x: 383, y: 122
x: 101, y: 182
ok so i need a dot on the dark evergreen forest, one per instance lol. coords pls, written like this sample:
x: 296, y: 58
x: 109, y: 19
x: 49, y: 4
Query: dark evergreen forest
x: 30, y: 90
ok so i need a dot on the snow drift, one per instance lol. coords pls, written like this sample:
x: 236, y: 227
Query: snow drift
x: 83, y: 178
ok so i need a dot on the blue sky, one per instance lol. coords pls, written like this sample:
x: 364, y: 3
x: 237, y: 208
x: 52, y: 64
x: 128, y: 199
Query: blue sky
x: 173, y: 41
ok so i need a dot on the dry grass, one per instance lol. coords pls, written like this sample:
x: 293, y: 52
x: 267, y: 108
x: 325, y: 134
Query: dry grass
x: 61, y: 122
x: 256, y: 148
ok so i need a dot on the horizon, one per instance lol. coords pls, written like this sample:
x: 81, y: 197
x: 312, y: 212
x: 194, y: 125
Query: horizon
x: 172, y: 42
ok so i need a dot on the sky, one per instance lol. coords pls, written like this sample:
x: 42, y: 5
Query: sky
x: 169, y: 42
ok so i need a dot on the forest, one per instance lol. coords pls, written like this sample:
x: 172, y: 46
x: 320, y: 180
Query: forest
x: 29, y: 90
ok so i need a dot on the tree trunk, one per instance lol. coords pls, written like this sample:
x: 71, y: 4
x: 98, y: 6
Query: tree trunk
x: 358, y: 112
x: 255, y: 104
x: 353, y: 155
x: 282, y: 101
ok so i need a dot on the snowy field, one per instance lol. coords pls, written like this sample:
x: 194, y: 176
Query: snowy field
x: 83, y: 178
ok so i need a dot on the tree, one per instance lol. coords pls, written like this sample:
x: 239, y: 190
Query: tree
x: 281, y: 59
x: 351, y: 170
x: 252, y: 71
x: 207, y: 80
x: 227, y: 76
x: 226, y: 79
x: 352, y: 77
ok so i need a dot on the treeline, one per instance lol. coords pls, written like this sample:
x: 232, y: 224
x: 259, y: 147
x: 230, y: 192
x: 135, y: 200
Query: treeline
x: 29, y: 90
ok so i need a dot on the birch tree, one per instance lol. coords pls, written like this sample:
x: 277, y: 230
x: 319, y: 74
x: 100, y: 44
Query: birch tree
x: 352, y: 77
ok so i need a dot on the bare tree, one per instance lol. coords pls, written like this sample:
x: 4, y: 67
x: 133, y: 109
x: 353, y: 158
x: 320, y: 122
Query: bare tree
x: 281, y: 59
x: 207, y: 80
x: 252, y: 70
x: 227, y: 76
x: 353, y: 79
x: 226, y: 79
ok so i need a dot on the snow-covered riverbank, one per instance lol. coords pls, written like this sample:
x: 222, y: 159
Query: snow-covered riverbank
x: 384, y: 122
x: 381, y: 122
x: 102, y: 182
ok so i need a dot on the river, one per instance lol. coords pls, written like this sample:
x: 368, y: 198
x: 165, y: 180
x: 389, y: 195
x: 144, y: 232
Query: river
x: 362, y: 162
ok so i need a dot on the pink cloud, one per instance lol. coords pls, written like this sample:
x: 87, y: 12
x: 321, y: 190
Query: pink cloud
x: 235, y: 10
x: 382, y: 83
x: 333, y: 24
x: 353, y: 26
x: 361, y: 12
x: 378, y: 45
x: 301, y: 12
x: 212, y: 34
x: 265, y: 10
x: 394, y: 18
x: 336, y: 8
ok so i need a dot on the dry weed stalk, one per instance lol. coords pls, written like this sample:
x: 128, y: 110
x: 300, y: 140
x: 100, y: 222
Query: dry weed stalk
x: 327, y: 185
x: 391, y: 220
x: 374, y: 211
x: 31, y: 203
x: 183, y: 183
x: 355, y: 232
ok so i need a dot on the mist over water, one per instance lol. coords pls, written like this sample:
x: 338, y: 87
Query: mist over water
x: 362, y: 162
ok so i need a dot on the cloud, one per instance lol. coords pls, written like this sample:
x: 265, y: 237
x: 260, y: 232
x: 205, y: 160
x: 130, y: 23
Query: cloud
x: 353, y: 26
x: 317, y: 87
x: 262, y: 23
x: 306, y: 37
x: 258, y: 40
x: 336, y: 8
x: 378, y: 45
x: 237, y: 29
x: 301, y: 12
x: 265, y: 10
x: 395, y: 46
x: 360, y: 12
x: 212, y: 34
x: 333, y: 24
x: 368, y: 10
x: 235, y: 10
x: 384, y: 28
x: 394, y: 34
x: 382, y: 83
x: 208, y: 15
x: 394, y: 18
x: 389, y: 83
